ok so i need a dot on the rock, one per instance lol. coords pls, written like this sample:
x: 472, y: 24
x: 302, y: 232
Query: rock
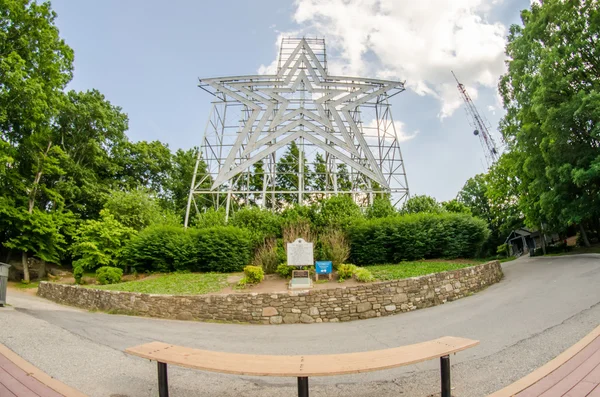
x: 334, y: 320
x: 313, y: 311
x: 297, y: 311
x: 399, y: 298
x: 390, y: 308
x: 448, y: 287
x: 363, y: 307
x: 185, y: 316
x: 276, y: 320
x: 291, y: 318
x: 319, y: 320
x: 306, y: 319
x: 269, y: 311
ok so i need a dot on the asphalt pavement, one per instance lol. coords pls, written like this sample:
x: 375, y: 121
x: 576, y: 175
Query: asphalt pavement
x: 540, y: 308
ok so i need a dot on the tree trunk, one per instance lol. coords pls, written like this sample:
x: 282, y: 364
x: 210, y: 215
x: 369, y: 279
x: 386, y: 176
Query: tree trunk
x: 42, y: 270
x: 584, y: 236
x: 543, y: 239
x: 25, y: 267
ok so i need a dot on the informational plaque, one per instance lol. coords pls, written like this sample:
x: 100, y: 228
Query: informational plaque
x: 300, y: 253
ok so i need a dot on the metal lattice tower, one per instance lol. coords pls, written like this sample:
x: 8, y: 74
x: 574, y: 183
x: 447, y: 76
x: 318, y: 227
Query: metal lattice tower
x: 480, y: 126
x: 297, y: 136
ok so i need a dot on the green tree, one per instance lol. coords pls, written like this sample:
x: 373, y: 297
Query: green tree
x: 136, y: 209
x: 456, y: 206
x: 422, y: 203
x: 99, y: 242
x: 35, y: 66
x: 288, y: 176
x: 381, y: 208
x: 552, y: 96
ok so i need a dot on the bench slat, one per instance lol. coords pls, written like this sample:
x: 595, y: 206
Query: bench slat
x: 301, y: 365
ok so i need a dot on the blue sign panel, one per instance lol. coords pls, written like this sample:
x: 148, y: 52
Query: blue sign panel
x: 324, y: 267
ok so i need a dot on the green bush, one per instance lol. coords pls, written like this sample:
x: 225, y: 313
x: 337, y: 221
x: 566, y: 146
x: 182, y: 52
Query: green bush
x: 109, y: 275
x: 78, y: 274
x: 162, y: 248
x: 416, y: 236
x: 284, y: 270
x: 261, y: 222
x: 363, y: 275
x: 223, y: 249
x: 170, y: 248
x: 254, y: 274
x: 345, y: 271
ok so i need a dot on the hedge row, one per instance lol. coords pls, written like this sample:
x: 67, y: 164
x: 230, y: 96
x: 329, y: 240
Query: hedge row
x: 171, y: 248
x: 418, y: 236
x: 376, y: 241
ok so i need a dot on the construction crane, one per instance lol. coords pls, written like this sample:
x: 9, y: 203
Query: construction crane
x: 480, y: 126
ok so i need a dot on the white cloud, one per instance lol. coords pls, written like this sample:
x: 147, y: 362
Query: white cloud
x: 417, y: 41
x: 370, y: 130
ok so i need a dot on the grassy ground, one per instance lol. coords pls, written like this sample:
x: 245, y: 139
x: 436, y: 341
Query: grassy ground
x: 33, y: 284
x: 594, y: 249
x: 177, y: 284
x: 413, y: 269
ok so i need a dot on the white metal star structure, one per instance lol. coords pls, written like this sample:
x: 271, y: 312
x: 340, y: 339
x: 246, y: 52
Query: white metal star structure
x: 300, y: 101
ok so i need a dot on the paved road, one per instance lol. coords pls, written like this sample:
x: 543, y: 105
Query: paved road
x: 541, y: 307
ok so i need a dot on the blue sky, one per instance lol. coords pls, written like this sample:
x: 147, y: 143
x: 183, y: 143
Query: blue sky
x: 146, y: 57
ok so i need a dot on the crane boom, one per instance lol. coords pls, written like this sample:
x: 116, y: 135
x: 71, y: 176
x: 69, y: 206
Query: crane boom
x: 478, y: 123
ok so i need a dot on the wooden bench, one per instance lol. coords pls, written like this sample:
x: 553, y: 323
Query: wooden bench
x: 301, y: 366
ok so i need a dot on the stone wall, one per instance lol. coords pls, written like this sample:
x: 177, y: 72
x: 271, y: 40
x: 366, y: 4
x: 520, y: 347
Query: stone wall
x: 326, y: 305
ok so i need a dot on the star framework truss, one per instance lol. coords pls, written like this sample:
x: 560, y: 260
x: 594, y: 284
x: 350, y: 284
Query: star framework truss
x: 297, y: 136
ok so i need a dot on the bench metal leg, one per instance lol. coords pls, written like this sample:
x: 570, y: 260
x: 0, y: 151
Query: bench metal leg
x: 163, y: 384
x: 302, y: 387
x: 445, y: 369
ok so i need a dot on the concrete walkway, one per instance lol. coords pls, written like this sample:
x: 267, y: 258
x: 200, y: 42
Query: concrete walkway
x: 543, y: 306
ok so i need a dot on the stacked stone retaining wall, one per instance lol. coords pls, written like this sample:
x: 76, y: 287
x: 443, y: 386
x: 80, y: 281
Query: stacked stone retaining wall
x: 325, y: 305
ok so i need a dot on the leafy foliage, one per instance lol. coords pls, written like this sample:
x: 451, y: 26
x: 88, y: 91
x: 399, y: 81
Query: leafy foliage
x: 284, y: 270
x: 99, y: 243
x: 345, y: 271
x: 421, y: 203
x: 254, y: 274
x: 223, y: 249
x: 162, y: 248
x: 363, y: 275
x: 381, y: 208
x: 136, y: 209
x: 416, y: 236
x: 108, y: 275
x: 552, y: 126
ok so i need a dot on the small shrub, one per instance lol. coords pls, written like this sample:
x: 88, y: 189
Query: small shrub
x: 254, y: 274
x: 345, y: 271
x: 335, y: 247
x: 284, y: 270
x: 78, y: 274
x: 260, y: 223
x: 363, y: 275
x: 109, y: 275
x: 266, y: 256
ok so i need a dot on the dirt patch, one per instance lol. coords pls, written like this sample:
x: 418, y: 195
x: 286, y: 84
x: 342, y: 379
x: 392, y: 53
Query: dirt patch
x: 274, y: 283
